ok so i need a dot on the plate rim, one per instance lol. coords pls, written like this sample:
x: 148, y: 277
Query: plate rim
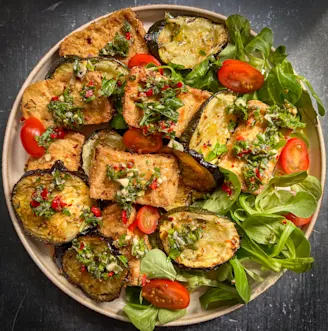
x: 22, y: 235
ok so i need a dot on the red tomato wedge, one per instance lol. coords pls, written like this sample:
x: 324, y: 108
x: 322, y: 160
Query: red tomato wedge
x: 167, y: 294
x: 294, y: 157
x: 240, y: 76
x: 137, y: 142
x: 32, y: 127
x: 298, y: 221
x: 147, y: 219
x: 141, y: 60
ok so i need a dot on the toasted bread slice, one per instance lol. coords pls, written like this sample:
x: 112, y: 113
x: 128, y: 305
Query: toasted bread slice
x: 101, y: 187
x: 192, y: 100
x: 68, y: 150
x: 37, y: 96
x: 89, y: 41
x: 249, y: 132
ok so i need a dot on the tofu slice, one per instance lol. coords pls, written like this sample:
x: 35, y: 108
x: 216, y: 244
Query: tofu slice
x: 68, y: 150
x: 113, y: 227
x: 245, y: 129
x: 37, y: 96
x: 89, y: 41
x: 101, y: 187
x: 132, y: 114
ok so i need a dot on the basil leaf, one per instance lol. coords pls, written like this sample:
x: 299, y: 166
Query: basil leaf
x: 311, y: 185
x: 219, y: 202
x: 222, y: 293
x: 321, y: 108
x: 240, y: 277
x: 107, y: 87
x: 166, y: 316
x: 118, y: 122
x: 156, y: 265
x: 142, y: 317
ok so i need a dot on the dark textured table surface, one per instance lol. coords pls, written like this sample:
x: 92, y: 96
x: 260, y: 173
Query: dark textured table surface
x: 28, y: 300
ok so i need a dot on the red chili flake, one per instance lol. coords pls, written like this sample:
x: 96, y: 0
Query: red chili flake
x: 60, y: 132
x: 133, y: 226
x: 81, y: 245
x: 171, y: 218
x: 205, y: 145
x: 91, y: 83
x: 22, y: 119
x: 57, y: 204
x: 115, y: 167
x: 244, y: 152
x: 240, y: 138
x: 119, y: 83
x: 44, y: 194
x: 165, y: 87
x: 154, y: 184
x: 226, y: 188
x: 257, y: 172
x: 53, y: 135
x: 55, y: 98
x: 110, y: 274
x: 284, y: 222
x: 232, y: 166
x: 179, y: 84
x: 128, y: 35
x: 96, y: 211
x: 145, y: 129
x: 88, y: 93
x: 143, y: 279
x: 149, y: 92
x: 124, y: 216
x: 34, y: 203
x: 130, y: 164
x: 83, y: 268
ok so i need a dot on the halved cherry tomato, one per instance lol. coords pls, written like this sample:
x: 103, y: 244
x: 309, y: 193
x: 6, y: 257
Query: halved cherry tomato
x: 294, y: 157
x: 141, y: 60
x: 167, y: 294
x: 31, y: 128
x: 240, y: 76
x: 147, y: 219
x: 137, y: 142
x: 298, y: 221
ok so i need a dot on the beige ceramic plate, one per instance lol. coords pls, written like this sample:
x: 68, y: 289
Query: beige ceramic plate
x: 14, y: 158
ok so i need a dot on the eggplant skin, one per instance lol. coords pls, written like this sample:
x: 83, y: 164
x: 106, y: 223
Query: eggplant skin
x: 218, y: 243
x: 59, y: 228
x: 96, y: 289
x: 152, y: 35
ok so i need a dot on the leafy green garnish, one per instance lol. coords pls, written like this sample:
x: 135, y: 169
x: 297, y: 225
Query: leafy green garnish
x: 118, y: 47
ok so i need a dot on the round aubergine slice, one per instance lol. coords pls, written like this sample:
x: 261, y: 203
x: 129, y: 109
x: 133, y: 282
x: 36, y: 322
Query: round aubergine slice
x: 110, y: 67
x: 93, y: 284
x: 185, y: 40
x: 198, y: 239
x: 54, y: 227
x: 104, y: 137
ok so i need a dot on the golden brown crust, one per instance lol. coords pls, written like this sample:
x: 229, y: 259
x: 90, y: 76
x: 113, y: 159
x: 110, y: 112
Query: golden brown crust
x: 192, y: 100
x: 89, y: 41
x: 103, y: 188
x: 67, y: 150
x: 37, y: 96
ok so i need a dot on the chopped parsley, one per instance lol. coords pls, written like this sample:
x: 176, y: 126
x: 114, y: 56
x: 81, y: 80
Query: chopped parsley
x: 59, y: 179
x: 133, y: 184
x: 184, y: 238
x: 88, y: 92
x: 162, y: 114
x: 47, y: 137
x: 107, y: 87
x: 216, y: 152
x: 90, y: 219
x: 126, y: 27
x: 64, y: 112
x: 139, y: 248
x: 98, y: 262
x: 118, y: 47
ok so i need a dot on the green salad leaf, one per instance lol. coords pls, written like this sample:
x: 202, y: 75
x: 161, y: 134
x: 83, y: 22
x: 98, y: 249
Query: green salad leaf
x: 223, y: 292
x: 156, y: 265
x: 142, y: 317
x: 166, y: 315
x: 240, y: 278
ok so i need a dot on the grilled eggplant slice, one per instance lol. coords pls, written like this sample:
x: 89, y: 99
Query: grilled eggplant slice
x: 110, y: 67
x: 211, y: 127
x: 33, y: 197
x: 186, y: 40
x: 198, y: 239
x: 105, y: 137
x: 195, y: 172
x: 100, y: 274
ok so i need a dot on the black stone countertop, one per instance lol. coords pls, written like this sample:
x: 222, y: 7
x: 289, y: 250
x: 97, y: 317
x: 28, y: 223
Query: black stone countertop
x: 28, y: 300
